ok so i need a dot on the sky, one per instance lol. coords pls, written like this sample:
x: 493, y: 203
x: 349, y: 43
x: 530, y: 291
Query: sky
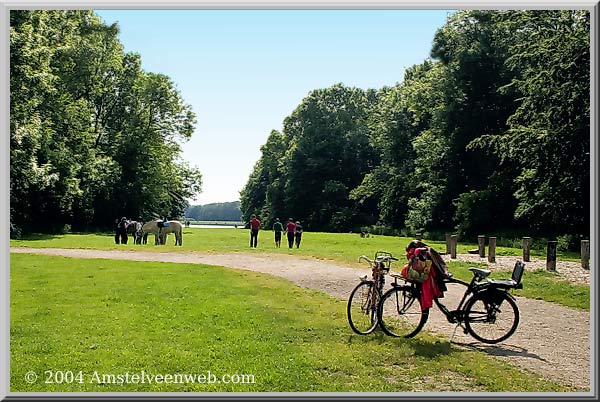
x: 244, y: 71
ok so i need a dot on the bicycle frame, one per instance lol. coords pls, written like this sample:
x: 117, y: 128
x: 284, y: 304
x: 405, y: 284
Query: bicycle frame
x: 471, y: 288
x: 481, y: 305
x: 378, y: 280
x: 369, y: 303
x: 456, y: 315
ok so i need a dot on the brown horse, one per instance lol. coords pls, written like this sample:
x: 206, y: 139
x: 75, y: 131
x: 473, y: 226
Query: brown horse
x: 135, y: 229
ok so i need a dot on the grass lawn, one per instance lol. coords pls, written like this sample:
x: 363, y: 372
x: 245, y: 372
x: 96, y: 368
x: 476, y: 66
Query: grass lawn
x: 117, y: 317
x: 340, y: 247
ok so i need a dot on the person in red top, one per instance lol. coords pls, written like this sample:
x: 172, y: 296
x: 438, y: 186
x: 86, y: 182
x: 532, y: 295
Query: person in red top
x: 291, y: 230
x: 254, y: 227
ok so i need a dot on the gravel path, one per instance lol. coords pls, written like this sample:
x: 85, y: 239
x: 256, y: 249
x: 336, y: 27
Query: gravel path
x: 551, y: 340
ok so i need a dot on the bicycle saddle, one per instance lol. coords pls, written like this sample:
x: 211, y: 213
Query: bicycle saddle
x: 480, y: 272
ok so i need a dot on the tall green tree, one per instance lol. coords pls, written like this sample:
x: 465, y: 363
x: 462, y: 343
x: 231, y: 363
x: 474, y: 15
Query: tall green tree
x: 492, y: 134
x: 328, y: 154
x: 93, y: 136
x: 472, y: 49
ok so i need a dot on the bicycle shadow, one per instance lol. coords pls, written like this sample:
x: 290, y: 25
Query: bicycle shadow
x: 500, y: 350
x: 421, y: 347
x: 376, y: 336
x: 429, y: 349
x: 426, y: 348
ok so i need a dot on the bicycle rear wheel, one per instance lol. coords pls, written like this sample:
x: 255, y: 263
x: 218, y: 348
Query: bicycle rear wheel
x: 362, y: 308
x: 491, y: 317
x: 400, y: 312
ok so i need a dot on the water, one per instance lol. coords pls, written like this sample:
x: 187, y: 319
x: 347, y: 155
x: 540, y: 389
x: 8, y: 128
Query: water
x: 213, y: 226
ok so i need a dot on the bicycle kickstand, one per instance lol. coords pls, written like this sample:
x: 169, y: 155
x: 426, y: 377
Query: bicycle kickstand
x: 454, y: 332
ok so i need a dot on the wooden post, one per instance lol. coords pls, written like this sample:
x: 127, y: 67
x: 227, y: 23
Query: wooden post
x: 481, y: 243
x: 448, y: 242
x: 453, y: 241
x: 526, y: 248
x: 551, y: 255
x: 419, y: 236
x: 492, y: 253
x: 585, y: 254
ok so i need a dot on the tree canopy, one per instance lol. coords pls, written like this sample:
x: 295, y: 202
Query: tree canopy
x: 490, y: 134
x: 93, y: 136
x: 218, y: 211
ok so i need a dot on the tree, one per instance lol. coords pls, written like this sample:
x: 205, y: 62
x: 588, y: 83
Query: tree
x: 93, y: 136
x: 328, y: 154
x: 547, y: 138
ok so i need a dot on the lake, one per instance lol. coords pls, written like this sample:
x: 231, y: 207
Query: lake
x: 214, y: 226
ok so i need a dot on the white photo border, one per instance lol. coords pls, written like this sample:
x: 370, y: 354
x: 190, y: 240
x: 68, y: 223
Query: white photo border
x: 7, y: 5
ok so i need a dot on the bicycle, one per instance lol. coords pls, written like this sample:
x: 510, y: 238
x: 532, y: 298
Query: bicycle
x: 490, y: 314
x: 364, y: 300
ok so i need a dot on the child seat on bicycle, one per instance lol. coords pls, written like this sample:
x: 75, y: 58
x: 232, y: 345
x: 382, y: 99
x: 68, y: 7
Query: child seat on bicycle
x: 428, y: 268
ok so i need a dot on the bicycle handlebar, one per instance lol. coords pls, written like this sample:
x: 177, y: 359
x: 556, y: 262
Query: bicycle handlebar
x: 364, y: 257
x: 381, y: 258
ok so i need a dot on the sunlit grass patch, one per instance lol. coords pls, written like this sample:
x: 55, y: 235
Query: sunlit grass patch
x: 109, y: 316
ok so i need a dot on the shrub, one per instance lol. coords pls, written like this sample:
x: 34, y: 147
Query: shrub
x: 567, y: 243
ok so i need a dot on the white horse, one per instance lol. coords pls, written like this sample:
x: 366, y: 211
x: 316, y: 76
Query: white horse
x: 160, y: 234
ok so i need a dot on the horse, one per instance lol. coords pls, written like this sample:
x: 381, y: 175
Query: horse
x: 135, y: 228
x: 160, y: 235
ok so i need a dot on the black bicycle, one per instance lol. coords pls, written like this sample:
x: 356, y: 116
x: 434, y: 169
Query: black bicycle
x: 490, y: 314
x: 364, y: 300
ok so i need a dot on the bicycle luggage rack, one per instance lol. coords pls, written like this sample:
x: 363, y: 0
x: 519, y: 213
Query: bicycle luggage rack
x: 515, y: 280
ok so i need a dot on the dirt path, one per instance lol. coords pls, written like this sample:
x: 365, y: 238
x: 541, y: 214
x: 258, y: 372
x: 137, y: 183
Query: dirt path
x: 551, y: 340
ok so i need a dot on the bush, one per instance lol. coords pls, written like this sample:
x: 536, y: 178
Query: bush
x: 380, y: 230
x: 568, y: 243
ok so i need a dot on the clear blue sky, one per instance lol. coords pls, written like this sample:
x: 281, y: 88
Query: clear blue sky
x: 244, y: 71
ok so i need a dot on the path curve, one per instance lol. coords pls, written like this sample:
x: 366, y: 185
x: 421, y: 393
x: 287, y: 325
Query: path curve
x: 552, y: 340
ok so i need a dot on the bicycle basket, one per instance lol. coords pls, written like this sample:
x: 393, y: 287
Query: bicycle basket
x: 417, y: 272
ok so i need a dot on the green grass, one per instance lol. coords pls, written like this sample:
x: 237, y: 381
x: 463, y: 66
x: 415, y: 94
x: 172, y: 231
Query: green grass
x: 114, y: 317
x: 538, y: 284
x: 341, y: 247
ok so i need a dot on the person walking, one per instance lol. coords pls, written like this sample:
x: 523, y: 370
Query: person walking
x: 254, y: 227
x: 291, y: 230
x: 298, y: 234
x: 277, y: 228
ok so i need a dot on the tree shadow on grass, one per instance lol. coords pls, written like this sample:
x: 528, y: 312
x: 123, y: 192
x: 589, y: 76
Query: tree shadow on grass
x: 39, y: 236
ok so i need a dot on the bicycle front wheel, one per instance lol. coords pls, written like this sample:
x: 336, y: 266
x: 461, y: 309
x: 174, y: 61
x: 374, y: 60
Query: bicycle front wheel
x: 491, y: 317
x: 400, y: 312
x: 362, y: 308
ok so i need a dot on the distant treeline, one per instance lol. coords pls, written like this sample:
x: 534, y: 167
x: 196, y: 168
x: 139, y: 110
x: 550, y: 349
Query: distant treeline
x: 492, y: 134
x: 93, y: 136
x: 223, y: 211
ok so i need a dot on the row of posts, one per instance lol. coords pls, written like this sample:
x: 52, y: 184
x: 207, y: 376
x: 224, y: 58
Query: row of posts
x: 451, y: 241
